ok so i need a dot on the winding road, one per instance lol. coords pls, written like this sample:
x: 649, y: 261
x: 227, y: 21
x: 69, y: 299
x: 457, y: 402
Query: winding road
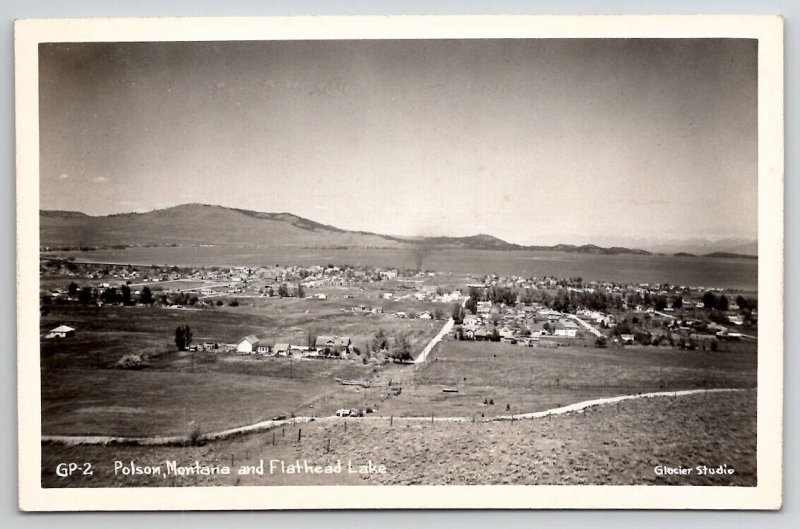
x: 268, y: 425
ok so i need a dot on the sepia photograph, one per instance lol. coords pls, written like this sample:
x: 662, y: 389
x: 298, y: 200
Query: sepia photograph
x: 425, y: 262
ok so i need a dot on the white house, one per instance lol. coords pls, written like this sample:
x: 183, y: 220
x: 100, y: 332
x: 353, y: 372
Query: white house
x: 62, y: 331
x: 566, y: 333
x: 247, y: 345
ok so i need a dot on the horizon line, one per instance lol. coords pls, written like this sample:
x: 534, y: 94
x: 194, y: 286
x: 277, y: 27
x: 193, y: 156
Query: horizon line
x: 657, y: 242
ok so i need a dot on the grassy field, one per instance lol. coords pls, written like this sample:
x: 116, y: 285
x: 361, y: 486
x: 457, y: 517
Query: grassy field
x: 105, y: 334
x: 147, y: 403
x: 83, y: 393
x: 609, y: 445
x: 222, y: 390
x: 523, y: 379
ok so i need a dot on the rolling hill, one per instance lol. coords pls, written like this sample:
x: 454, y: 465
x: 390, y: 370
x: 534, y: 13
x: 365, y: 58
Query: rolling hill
x: 200, y: 224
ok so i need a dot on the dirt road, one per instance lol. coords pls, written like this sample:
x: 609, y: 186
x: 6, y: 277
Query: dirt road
x: 446, y: 328
x: 267, y: 425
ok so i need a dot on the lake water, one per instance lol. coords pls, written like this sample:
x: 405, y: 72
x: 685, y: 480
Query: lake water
x: 689, y: 271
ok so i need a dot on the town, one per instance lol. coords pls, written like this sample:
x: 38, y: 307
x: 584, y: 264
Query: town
x: 533, y: 312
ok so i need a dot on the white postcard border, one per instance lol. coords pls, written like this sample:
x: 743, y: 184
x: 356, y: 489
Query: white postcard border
x: 767, y: 29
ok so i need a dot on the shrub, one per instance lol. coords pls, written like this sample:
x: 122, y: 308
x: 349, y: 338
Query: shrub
x: 131, y: 361
x: 195, y: 435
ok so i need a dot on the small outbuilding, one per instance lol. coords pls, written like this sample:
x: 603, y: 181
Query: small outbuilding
x: 62, y: 331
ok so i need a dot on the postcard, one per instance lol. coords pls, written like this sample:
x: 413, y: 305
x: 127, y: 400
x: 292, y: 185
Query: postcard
x: 400, y: 262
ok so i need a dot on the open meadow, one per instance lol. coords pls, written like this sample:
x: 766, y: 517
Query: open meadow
x: 484, y: 379
x: 83, y: 393
x: 619, y: 444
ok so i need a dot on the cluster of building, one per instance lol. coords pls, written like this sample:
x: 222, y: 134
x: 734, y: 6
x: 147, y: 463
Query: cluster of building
x: 324, y: 347
x: 525, y: 325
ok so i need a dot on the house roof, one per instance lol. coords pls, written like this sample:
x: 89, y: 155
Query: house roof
x: 62, y: 328
x: 252, y: 339
x: 322, y: 340
x: 281, y: 347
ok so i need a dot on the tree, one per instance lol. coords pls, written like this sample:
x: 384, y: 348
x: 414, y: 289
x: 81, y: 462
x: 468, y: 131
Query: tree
x: 401, y: 351
x: 740, y: 300
x: 110, y: 295
x: 311, y: 340
x: 561, y: 302
x: 661, y: 303
x: 87, y: 295
x: 472, y: 305
x: 126, y: 295
x: 300, y: 291
x: 183, y: 337
x: 283, y: 290
x: 677, y: 302
x: 458, y: 313
x: 380, y: 342
x: 722, y: 303
x: 709, y: 300
x: 146, y: 296
x: 73, y: 289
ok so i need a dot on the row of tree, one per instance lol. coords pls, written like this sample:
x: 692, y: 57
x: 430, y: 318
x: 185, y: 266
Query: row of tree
x: 88, y: 295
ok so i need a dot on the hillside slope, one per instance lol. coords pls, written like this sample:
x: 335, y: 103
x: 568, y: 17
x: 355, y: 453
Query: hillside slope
x: 198, y: 224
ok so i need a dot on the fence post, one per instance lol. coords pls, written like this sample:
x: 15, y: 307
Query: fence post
x: 273, y: 438
x: 299, y: 434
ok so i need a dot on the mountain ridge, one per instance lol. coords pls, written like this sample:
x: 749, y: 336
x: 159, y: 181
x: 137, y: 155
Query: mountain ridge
x: 197, y: 224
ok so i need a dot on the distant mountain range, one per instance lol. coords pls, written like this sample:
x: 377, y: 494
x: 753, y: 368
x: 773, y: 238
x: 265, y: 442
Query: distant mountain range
x: 200, y: 224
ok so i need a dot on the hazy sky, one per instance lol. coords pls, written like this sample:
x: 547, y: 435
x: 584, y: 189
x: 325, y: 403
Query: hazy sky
x: 533, y: 141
